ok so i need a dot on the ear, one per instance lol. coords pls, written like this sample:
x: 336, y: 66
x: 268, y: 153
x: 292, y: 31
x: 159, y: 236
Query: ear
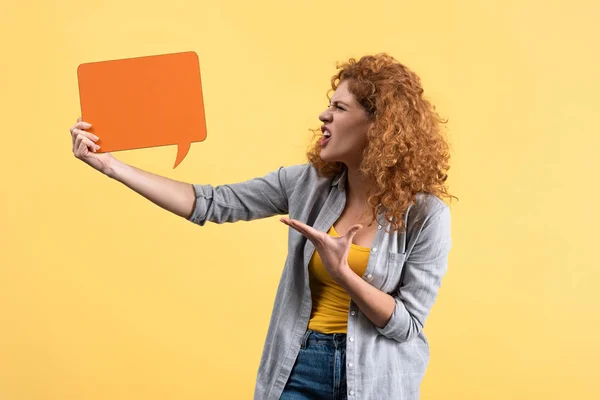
x: 369, y: 129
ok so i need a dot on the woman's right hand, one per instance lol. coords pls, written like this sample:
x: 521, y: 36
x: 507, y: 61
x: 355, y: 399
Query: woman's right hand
x: 84, y: 147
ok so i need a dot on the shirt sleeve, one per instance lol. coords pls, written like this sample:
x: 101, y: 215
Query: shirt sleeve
x: 260, y: 197
x: 423, y: 272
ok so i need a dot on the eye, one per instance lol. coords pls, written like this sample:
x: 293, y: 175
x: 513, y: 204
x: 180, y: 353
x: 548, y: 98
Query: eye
x: 337, y: 106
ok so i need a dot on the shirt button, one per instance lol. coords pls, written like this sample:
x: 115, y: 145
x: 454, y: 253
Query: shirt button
x: 374, y: 249
x: 352, y: 340
x: 352, y: 393
x: 350, y: 365
x: 352, y: 312
x: 369, y: 276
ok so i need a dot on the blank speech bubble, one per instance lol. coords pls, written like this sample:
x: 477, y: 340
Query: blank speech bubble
x: 144, y: 102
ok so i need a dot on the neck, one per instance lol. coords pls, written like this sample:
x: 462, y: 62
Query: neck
x: 357, y: 187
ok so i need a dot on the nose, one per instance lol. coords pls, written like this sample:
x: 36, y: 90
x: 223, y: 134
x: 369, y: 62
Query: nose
x: 326, y: 115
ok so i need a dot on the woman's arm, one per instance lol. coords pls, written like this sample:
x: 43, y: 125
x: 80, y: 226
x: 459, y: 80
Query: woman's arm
x: 174, y: 196
x: 402, y: 316
x: 378, y: 306
x: 256, y: 198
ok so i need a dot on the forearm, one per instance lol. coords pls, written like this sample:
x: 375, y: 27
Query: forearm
x: 174, y: 196
x: 375, y: 304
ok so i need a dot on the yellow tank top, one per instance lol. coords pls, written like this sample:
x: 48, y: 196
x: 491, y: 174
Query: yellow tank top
x: 330, y: 302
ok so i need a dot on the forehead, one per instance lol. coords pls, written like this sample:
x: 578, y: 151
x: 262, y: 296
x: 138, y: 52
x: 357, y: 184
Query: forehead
x: 343, y: 92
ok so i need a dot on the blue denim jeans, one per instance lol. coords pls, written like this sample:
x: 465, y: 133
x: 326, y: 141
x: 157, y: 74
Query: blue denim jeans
x: 320, y: 369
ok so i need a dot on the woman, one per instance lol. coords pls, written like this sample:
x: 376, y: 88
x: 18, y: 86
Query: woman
x: 348, y: 318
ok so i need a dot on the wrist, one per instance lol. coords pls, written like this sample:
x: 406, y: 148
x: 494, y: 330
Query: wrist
x: 344, y: 275
x: 114, y: 168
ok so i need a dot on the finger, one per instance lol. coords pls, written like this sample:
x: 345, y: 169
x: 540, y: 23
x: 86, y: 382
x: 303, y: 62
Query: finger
x: 81, y: 150
x: 79, y: 147
x: 88, y: 135
x: 85, y: 146
x: 79, y: 134
x: 290, y: 223
x: 77, y: 138
x: 79, y: 119
x: 304, y: 229
x: 300, y: 226
x: 91, y: 146
x: 354, y: 230
x: 80, y: 125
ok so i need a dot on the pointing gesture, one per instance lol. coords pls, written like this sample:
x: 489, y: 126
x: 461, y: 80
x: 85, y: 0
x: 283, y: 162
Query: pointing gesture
x: 332, y: 250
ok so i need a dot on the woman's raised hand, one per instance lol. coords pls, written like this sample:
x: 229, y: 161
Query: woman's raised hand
x: 332, y: 250
x: 84, y: 147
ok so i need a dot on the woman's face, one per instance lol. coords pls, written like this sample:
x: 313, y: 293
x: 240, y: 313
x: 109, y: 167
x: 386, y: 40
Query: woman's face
x: 346, y: 123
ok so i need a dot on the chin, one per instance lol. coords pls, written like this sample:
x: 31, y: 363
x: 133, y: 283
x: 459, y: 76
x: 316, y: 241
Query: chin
x: 328, y: 155
x: 332, y: 159
x: 325, y: 156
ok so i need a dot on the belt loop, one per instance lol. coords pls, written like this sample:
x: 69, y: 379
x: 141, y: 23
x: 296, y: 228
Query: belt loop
x: 339, y: 340
x: 305, y: 339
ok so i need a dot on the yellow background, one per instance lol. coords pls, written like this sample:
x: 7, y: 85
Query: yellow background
x: 105, y: 296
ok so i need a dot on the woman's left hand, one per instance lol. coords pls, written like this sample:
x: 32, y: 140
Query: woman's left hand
x: 332, y: 250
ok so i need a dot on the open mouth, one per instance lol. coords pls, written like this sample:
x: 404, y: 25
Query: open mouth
x: 326, y: 137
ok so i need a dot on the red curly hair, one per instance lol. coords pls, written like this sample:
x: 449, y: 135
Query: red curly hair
x: 407, y: 152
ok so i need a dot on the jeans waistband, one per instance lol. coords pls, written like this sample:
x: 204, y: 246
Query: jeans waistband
x: 336, y: 340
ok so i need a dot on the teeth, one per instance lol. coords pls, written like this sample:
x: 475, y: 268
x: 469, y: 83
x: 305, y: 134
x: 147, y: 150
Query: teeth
x: 326, y: 134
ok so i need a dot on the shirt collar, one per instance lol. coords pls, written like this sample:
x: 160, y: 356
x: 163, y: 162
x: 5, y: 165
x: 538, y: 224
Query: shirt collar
x: 339, y: 180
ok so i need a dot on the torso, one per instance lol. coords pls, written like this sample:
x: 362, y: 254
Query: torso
x: 351, y: 216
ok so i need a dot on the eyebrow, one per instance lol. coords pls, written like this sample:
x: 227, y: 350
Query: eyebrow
x: 339, y: 101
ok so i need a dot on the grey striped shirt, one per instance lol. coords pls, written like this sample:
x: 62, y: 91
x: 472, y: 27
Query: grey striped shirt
x: 382, y: 363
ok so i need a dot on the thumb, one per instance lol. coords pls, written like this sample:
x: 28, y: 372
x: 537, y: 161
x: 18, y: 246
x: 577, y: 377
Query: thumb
x: 353, y: 231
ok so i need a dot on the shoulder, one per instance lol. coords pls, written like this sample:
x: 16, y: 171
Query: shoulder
x: 427, y: 208
x: 303, y: 176
x: 428, y: 225
x: 295, y: 171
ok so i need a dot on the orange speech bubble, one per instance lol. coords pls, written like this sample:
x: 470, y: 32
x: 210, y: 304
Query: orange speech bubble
x: 144, y: 102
